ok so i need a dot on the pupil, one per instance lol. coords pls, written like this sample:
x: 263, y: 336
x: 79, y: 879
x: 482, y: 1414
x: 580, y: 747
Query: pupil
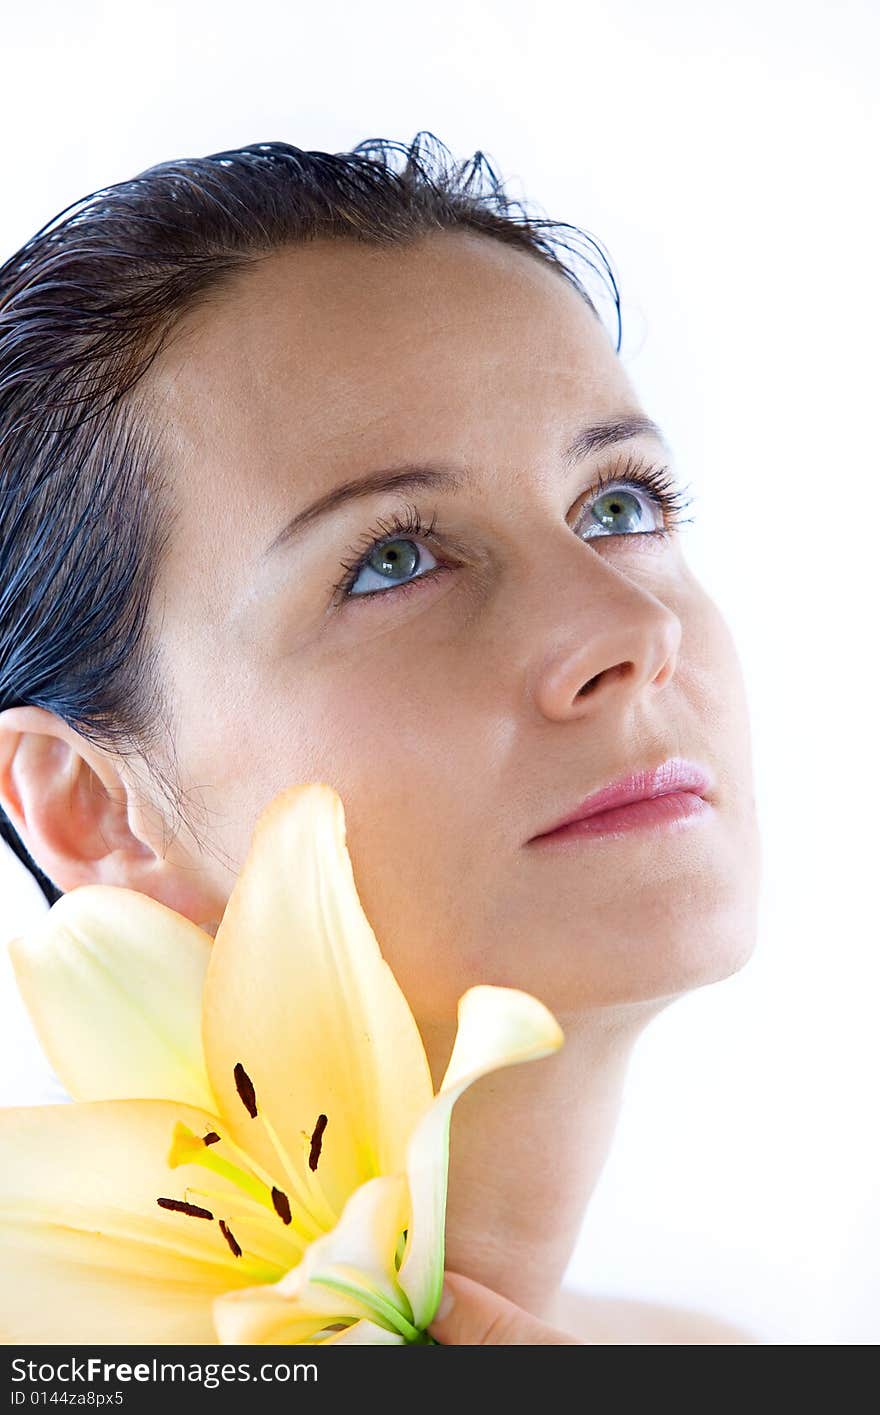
x: 618, y: 504
x: 388, y: 560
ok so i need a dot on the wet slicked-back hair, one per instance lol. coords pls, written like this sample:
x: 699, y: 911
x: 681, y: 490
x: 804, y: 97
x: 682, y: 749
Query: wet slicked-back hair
x: 86, y: 305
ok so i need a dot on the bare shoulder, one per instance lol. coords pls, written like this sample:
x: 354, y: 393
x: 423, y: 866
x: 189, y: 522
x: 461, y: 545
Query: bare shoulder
x: 622, y: 1321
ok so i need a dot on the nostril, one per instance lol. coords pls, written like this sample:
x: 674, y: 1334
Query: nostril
x: 620, y: 670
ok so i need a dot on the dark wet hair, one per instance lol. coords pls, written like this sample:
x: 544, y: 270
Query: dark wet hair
x: 85, y: 306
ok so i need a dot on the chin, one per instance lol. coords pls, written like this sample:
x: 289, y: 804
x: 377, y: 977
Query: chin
x: 671, y: 966
x: 643, y: 969
x: 641, y: 929
x: 652, y: 936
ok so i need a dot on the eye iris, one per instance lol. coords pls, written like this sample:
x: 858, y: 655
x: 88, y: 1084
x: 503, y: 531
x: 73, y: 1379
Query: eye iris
x: 389, y: 560
x: 616, y: 503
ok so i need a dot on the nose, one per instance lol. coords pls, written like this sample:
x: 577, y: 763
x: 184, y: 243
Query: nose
x: 611, y: 638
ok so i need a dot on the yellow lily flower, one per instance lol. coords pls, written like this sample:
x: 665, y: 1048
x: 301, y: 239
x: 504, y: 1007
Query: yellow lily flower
x: 255, y: 1153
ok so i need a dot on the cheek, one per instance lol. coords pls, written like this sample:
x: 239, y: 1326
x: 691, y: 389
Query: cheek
x: 407, y: 767
x: 711, y: 677
x: 714, y: 688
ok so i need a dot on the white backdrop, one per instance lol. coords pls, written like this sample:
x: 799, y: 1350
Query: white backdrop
x: 726, y: 154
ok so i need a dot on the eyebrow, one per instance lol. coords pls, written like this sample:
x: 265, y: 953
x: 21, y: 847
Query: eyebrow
x: 411, y: 477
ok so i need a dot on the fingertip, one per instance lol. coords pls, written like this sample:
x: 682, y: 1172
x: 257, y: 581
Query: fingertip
x: 440, y: 1326
x: 447, y: 1298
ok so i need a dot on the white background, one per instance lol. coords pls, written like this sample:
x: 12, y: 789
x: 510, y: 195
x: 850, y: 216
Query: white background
x: 726, y: 154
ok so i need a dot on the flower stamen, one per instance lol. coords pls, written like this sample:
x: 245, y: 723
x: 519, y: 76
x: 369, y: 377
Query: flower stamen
x: 180, y: 1206
x: 317, y: 1134
x: 308, y: 1196
x: 286, y: 1250
x: 230, y: 1238
x: 245, y: 1087
x: 189, y: 1148
x: 257, y: 1189
x: 282, y: 1204
x: 314, y: 1190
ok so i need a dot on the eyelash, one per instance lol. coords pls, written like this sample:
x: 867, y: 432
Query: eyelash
x: 658, y: 482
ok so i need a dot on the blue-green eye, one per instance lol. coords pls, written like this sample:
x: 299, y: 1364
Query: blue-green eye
x: 391, y: 562
x: 617, y: 512
x: 642, y: 500
x: 386, y: 560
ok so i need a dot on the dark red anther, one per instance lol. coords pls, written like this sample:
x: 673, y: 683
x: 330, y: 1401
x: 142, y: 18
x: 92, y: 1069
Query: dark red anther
x: 211, y: 1138
x: 317, y: 1133
x: 180, y: 1207
x: 282, y: 1204
x: 230, y: 1239
x: 245, y: 1087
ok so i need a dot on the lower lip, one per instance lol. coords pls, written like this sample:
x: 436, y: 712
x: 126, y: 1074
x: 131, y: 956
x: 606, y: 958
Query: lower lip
x: 675, y: 808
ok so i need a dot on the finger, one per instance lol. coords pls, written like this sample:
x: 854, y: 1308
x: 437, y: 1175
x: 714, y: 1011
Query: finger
x: 470, y: 1314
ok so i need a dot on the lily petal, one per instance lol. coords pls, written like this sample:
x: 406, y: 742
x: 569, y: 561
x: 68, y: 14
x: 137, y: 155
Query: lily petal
x: 357, y: 1256
x: 299, y: 994
x: 496, y: 1027
x: 113, y: 982
x: 260, y: 1316
x: 94, y: 1255
x: 363, y: 1333
x: 347, y: 1273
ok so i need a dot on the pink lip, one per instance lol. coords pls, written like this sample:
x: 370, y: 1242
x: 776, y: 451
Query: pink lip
x: 674, y: 790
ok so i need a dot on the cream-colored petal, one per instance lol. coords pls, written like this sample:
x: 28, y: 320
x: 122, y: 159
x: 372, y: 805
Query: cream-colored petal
x: 86, y: 1253
x: 348, y: 1273
x: 496, y: 1027
x: 357, y: 1256
x: 363, y: 1333
x: 298, y: 992
x: 261, y: 1316
x: 113, y: 983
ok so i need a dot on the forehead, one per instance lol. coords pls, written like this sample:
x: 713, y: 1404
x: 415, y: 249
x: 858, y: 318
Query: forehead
x: 332, y: 356
x: 303, y: 315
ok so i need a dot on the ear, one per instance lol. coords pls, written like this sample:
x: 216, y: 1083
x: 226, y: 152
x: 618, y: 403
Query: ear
x: 79, y: 819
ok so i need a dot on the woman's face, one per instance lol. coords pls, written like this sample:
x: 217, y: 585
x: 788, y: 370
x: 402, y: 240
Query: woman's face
x: 452, y: 717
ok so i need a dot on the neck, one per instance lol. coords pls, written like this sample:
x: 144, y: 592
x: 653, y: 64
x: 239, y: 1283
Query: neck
x: 527, y: 1147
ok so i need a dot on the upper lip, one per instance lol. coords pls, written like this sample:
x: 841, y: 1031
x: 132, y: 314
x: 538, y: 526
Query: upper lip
x: 673, y: 774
